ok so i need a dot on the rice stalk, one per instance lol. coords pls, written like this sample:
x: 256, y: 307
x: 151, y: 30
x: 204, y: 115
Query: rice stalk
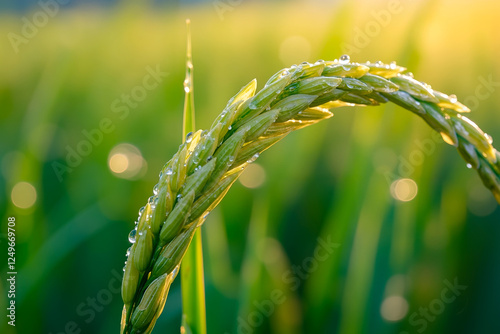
x: 208, y: 162
x: 192, y: 277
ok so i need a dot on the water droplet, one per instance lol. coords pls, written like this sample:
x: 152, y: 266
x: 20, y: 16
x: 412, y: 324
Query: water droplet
x: 206, y: 215
x: 124, y: 268
x: 253, y: 158
x: 141, y: 233
x: 379, y: 63
x: 179, y: 196
x: 410, y: 74
x: 161, y: 174
x: 393, y: 65
x: 453, y: 98
x: 186, y: 89
x: 319, y: 61
x: 131, y: 236
x: 175, y: 271
x: 128, y: 251
x: 141, y: 210
x: 488, y: 138
x: 189, y: 64
x: 344, y: 59
x: 230, y: 128
x: 469, y: 166
x: 210, y: 157
x: 189, y: 137
x: 156, y: 188
x: 446, y: 116
x: 285, y: 72
x: 304, y: 63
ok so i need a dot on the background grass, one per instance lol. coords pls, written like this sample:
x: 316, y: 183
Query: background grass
x: 330, y: 181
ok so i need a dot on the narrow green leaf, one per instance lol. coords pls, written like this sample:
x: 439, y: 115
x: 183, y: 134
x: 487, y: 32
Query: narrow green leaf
x: 193, y: 289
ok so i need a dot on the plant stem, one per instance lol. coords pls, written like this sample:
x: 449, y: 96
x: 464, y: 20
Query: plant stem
x: 192, y: 278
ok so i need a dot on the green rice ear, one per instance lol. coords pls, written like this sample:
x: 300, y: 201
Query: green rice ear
x: 200, y: 174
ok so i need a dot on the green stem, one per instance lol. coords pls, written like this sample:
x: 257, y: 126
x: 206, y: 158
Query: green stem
x: 192, y: 279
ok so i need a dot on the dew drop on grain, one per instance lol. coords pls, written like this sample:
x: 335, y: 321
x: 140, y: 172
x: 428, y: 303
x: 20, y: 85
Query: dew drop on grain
x: 488, y: 138
x: 189, y: 137
x: 131, y: 236
x: 253, y: 158
x: 175, y: 271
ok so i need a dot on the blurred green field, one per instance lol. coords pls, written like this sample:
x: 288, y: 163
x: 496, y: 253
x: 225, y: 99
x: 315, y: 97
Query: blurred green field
x: 315, y: 241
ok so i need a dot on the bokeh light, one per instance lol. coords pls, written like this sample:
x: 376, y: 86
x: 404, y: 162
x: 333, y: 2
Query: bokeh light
x: 23, y: 195
x: 394, y: 308
x: 118, y: 163
x: 253, y: 176
x: 404, y: 190
x: 126, y: 161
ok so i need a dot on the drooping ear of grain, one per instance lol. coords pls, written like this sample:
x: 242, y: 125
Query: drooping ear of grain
x: 199, y: 175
